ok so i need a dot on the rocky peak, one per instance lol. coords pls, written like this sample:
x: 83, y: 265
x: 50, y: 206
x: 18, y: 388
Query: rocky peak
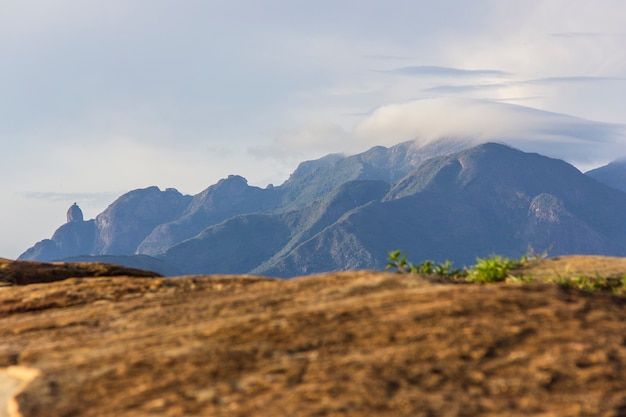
x: 128, y: 220
x: 74, y: 214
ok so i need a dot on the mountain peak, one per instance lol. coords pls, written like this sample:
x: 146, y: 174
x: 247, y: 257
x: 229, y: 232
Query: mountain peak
x: 307, y: 167
x: 74, y: 214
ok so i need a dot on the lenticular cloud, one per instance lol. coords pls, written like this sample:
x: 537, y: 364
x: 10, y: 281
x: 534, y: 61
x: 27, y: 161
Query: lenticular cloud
x: 579, y: 141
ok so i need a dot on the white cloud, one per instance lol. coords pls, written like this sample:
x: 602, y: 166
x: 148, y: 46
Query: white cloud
x: 577, y: 140
x: 431, y: 70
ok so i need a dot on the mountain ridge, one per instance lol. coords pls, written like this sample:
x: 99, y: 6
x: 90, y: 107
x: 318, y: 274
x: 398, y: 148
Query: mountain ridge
x: 345, y: 212
x: 612, y: 174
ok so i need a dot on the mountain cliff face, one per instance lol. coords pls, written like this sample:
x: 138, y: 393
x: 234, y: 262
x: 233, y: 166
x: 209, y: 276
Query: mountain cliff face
x: 442, y: 201
x: 229, y: 197
x: 116, y: 231
x: 127, y: 222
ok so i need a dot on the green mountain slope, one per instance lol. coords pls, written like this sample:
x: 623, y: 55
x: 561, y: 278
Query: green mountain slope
x: 247, y: 242
x: 488, y: 199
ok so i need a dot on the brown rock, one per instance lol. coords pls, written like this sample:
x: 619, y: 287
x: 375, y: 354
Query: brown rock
x: 578, y: 265
x: 30, y: 272
x: 354, y: 343
x: 74, y: 214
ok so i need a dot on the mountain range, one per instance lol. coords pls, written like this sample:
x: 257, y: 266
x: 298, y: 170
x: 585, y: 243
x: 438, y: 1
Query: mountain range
x: 447, y: 200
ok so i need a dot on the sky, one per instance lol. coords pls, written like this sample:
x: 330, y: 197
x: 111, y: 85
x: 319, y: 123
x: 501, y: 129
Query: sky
x: 101, y: 97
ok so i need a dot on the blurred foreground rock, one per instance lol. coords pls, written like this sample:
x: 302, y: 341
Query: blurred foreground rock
x: 344, y: 344
x: 30, y: 272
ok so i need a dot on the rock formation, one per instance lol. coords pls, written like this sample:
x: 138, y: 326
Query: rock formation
x: 71, y: 239
x: 356, y: 343
x: 74, y: 214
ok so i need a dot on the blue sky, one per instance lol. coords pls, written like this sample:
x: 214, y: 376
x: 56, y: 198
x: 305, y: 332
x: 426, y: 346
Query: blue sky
x: 101, y: 97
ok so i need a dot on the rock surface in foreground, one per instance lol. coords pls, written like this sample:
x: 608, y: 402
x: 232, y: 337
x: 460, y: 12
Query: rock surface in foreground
x: 30, y: 272
x: 353, y: 343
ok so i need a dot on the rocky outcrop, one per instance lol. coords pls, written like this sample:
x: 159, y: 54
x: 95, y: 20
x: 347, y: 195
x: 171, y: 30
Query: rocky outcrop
x: 71, y: 239
x: 357, y: 343
x: 125, y: 223
x: 29, y: 272
x: 142, y: 262
x: 116, y: 231
x: 552, y: 227
x: 74, y: 214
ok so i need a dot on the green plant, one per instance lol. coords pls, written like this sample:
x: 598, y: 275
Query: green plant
x: 445, y: 269
x: 398, y: 262
x: 493, y: 269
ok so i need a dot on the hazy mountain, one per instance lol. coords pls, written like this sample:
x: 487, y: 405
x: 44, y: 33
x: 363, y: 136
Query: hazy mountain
x: 311, y: 181
x: 133, y: 216
x: 71, y: 239
x: 116, y: 231
x: 252, y: 242
x: 613, y: 174
x: 486, y: 200
x: 150, y: 221
x: 229, y: 197
x: 379, y: 163
x: 443, y: 201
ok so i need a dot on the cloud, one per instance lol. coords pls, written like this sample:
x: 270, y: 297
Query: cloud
x: 314, y: 139
x: 463, y: 88
x: 575, y: 79
x: 429, y: 70
x: 586, y: 35
x: 64, y: 197
x: 576, y: 140
x: 386, y: 57
x: 58, y: 202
